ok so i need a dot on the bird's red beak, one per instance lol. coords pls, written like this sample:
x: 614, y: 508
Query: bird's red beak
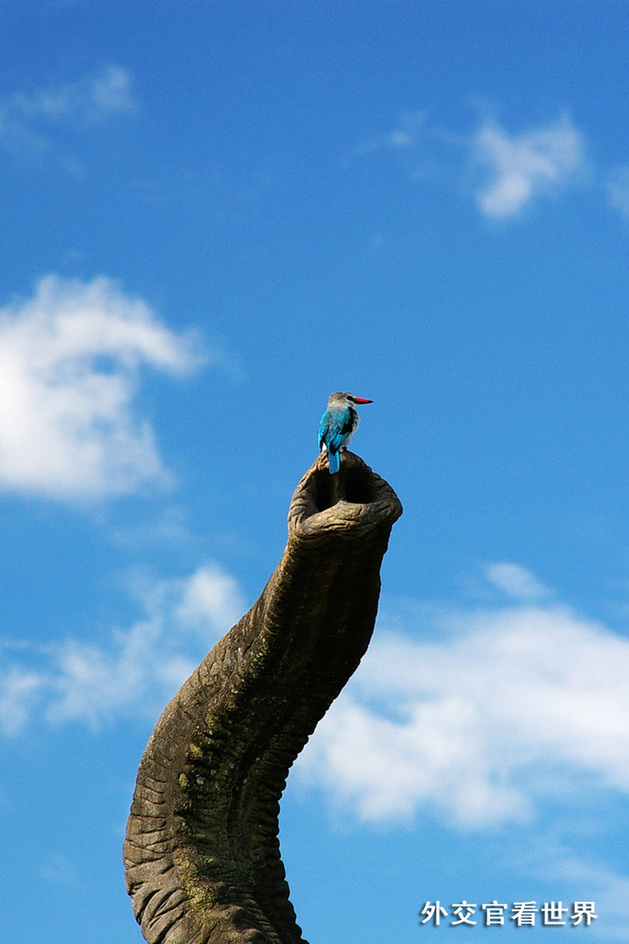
x: 362, y: 400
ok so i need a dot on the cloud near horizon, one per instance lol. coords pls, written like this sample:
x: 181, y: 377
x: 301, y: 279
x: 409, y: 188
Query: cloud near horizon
x: 501, y: 710
x: 70, y: 364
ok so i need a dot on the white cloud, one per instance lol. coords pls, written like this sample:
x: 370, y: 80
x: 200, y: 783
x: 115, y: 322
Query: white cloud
x: 509, y: 707
x: 137, y: 671
x: 522, y: 167
x: 26, y: 118
x: 516, y: 581
x: 210, y: 596
x: 70, y: 361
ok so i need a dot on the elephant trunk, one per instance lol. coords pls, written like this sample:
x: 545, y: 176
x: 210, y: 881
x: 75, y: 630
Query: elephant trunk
x: 202, y: 853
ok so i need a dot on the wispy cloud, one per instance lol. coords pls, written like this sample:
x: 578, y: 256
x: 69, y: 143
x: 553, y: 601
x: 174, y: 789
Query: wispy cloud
x: 19, y: 691
x: 133, y: 673
x: 511, y: 706
x: 405, y: 135
x: 516, y: 581
x: 29, y: 121
x: 512, y: 170
x: 609, y: 887
x: 522, y: 167
x: 89, y: 100
x: 70, y: 362
x: 617, y: 187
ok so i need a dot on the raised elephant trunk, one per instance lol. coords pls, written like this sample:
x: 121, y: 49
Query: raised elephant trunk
x: 202, y: 854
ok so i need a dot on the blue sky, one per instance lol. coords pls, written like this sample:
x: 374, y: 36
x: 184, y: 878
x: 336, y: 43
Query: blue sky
x: 213, y: 215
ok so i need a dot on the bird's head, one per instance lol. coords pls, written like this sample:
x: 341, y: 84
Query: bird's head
x: 346, y: 399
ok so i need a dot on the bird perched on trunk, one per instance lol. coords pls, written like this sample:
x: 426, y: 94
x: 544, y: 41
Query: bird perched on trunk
x: 337, y: 426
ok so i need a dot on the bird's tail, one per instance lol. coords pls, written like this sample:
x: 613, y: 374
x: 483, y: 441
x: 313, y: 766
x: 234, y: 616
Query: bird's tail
x: 334, y: 461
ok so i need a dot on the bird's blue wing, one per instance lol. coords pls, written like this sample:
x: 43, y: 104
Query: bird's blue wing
x: 334, y: 428
x: 323, y: 429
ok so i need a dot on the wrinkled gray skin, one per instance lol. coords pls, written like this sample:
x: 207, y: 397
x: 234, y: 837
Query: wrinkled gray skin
x: 202, y: 853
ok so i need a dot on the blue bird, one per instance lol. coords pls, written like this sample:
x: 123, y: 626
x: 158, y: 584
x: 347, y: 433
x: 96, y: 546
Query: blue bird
x: 337, y: 426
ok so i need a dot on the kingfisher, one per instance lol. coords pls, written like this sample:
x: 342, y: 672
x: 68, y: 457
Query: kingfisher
x: 338, y: 424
